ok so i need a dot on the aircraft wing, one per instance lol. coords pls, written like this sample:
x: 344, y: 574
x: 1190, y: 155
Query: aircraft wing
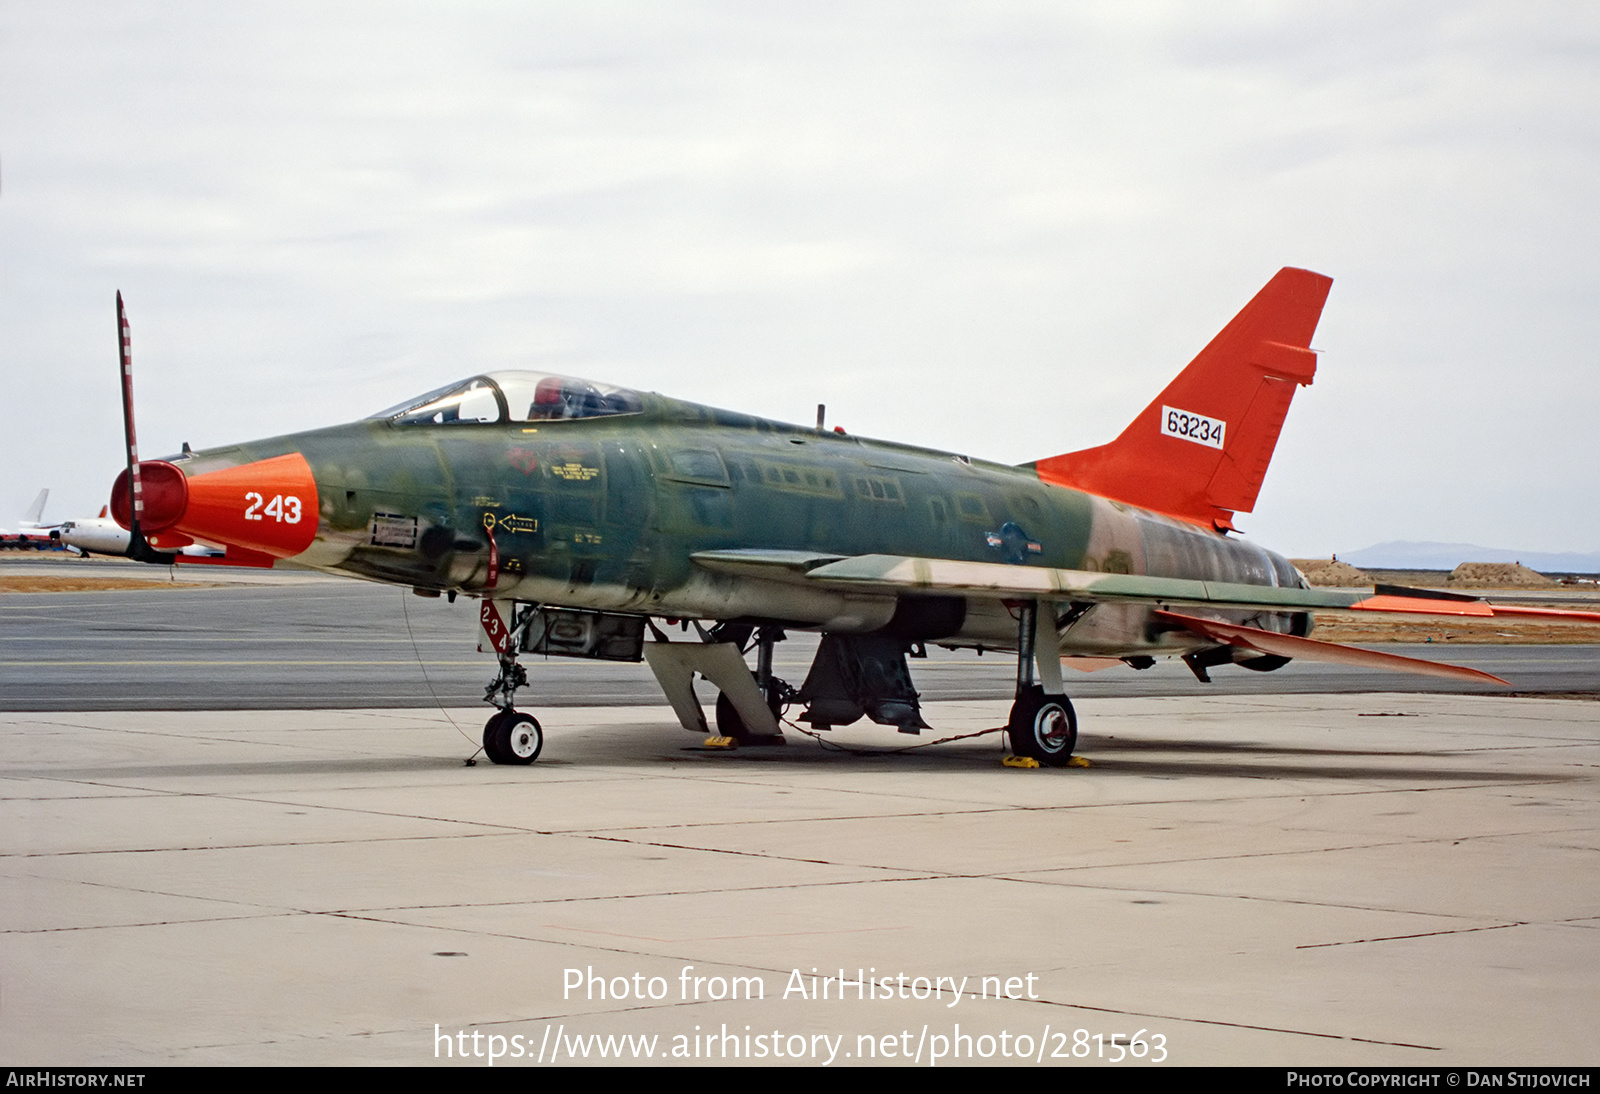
x: 901, y: 573
x: 904, y: 573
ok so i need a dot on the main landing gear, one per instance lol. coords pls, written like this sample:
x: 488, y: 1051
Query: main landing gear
x: 1042, y: 725
x: 777, y: 693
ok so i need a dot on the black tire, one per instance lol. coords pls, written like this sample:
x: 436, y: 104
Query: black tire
x: 1268, y: 662
x: 730, y: 724
x: 1044, y: 727
x: 512, y: 737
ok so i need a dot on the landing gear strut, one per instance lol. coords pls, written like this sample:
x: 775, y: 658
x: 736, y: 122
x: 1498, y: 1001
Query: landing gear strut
x: 511, y: 737
x: 1043, y: 724
x: 777, y: 693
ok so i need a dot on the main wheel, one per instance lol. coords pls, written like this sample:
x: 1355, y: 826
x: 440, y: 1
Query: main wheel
x: 512, y: 737
x: 1043, y: 726
x: 730, y: 724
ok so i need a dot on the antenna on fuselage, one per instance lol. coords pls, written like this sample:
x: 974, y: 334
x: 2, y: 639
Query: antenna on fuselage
x: 822, y: 413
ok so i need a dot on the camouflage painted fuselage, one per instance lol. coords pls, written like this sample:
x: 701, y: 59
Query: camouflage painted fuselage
x: 607, y: 512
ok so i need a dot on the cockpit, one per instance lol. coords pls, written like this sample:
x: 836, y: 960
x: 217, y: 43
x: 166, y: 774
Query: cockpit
x: 513, y: 396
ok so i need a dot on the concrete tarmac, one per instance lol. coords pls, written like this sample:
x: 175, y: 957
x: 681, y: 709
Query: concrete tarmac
x: 1365, y: 879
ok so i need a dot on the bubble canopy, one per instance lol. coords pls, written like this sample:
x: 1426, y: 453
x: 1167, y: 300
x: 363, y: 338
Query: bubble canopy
x: 513, y: 396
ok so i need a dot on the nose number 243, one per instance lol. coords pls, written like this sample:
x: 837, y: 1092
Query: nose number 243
x: 283, y: 508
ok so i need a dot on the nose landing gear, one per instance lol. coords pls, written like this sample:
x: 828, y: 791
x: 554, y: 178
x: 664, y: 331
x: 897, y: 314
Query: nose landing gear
x: 509, y: 737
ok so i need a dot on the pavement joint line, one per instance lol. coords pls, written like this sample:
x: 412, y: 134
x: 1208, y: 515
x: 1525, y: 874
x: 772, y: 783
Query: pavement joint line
x: 1407, y: 937
x: 332, y: 808
x: 1192, y: 860
x: 1238, y: 1025
x: 23, y: 855
x: 1252, y: 898
x: 676, y: 1004
x: 910, y: 878
x: 600, y: 898
x: 917, y: 878
x: 1010, y: 875
x: 256, y: 800
x: 271, y: 910
x: 737, y: 937
x: 123, y: 888
x: 557, y: 941
x: 19, y: 931
x: 981, y: 809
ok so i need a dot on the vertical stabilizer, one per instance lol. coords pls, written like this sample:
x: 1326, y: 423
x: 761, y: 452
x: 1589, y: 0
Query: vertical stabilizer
x: 36, y: 511
x: 1201, y: 449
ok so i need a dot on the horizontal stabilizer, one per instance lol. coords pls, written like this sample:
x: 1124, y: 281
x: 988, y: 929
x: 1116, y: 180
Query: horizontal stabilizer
x: 1416, y: 605
x: 1398, y: 598
x: 1507, y: 611
x: 1309, y: 649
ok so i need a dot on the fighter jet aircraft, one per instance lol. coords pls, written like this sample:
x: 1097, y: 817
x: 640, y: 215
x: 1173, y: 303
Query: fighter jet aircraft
x: 582, y: 515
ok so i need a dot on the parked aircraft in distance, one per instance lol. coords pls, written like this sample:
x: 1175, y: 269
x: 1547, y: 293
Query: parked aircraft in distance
x: 31, y: 533
x: 96, y: 535
x: 580, y: 513
x: 101, y: 535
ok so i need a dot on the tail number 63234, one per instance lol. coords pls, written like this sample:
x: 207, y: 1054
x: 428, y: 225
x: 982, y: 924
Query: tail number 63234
x: 283, y: 508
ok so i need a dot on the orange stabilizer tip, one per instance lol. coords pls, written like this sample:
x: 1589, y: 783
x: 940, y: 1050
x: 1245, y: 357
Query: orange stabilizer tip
x: 1422, y: 605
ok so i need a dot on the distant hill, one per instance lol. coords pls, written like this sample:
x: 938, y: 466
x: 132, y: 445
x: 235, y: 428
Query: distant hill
x: 1406, y: 555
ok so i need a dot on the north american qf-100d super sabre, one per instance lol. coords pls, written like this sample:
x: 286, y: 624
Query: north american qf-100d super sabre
x: 580, y: 513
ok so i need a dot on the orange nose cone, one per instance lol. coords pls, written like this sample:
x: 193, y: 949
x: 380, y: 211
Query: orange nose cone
x: 163, y: 496
x: 268, y: 506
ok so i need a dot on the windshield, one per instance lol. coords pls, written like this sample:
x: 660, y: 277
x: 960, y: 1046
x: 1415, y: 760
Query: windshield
x: 513, y: 396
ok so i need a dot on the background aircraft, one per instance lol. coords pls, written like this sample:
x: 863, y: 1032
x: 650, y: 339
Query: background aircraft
x: 103, y: 536
x: 30, y: 532
x: 580, y: 514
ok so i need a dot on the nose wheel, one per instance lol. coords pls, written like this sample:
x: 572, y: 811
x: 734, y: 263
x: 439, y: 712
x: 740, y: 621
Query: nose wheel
x: 511, y: 737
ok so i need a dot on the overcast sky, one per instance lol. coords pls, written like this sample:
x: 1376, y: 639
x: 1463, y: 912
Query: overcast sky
x: 997, y: 228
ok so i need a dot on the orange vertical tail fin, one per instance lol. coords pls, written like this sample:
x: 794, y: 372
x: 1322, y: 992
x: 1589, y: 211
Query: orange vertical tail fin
x: 1201, y: 449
